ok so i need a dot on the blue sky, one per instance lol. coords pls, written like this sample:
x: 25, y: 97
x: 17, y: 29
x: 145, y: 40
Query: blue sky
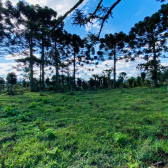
x: 125, y: 15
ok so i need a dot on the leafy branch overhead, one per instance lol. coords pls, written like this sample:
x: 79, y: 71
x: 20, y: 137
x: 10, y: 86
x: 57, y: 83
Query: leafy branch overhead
x: 101, y: 14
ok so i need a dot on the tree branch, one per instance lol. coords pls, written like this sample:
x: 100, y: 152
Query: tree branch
x: 108, y: 13
x: 65, y: 15
x: 90, y: 17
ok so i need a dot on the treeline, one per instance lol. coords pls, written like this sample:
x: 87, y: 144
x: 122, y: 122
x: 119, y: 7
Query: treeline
x: 27, y: 30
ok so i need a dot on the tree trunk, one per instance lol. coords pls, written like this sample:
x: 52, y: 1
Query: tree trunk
x: 11, y: 88
x: 43, y: 86
x: 40, y: 79
x: 155, y: 62
x: 108, y: 79
x: 56, y: 64
x: 74, y: 84
x: 31, y: 61
x: 95, y: 82
x: 114, y: 82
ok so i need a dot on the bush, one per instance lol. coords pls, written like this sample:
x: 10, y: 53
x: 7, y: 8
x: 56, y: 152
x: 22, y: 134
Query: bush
x: 38, y: 133
x: 50, y: 134
x: 18, y: 89
x: 9, y: 111
x: 11, y: 78
x: 57, y: 108
x: 147, y: 82
x: 125, y: 85
x: 32, y: 105
x: 131, y: 82
x: 45, y: 101
x: 24, y: 117
x: 19, y: 101
x: 120, y: 138
x: 21, y: 117
x: 2, y: 81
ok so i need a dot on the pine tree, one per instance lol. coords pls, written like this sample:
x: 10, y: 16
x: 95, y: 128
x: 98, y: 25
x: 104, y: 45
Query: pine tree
x: 30, y: 21
x: 45, y: 16
x: 113, y: 46
x: 150, y: 40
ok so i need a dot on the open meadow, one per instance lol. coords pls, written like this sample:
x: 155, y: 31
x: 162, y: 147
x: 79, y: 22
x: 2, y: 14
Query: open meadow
x: 103, y: 129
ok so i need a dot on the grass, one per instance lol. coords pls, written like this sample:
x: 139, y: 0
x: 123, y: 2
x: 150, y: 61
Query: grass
x: 103, y: 129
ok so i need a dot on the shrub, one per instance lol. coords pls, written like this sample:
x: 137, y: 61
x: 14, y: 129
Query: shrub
x: 11, y: 79
x: 125, y: 85
x: 131, y: 82
x: 21, y: 117
x: 40, y: 123
x: 24, y: 117
x: 39, y: 99
x: 45, y: 101
x: 77, y: 98
x: 2, y: 81
x: 37, y: 133
x: 19, y: 101
x: 57, y: 108
x: 32, y: 105
x: 9, y: 111
x: 50, y: 134
x: 120, y: 138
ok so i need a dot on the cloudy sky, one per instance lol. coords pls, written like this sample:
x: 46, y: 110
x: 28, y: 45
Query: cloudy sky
x: 125, y: 15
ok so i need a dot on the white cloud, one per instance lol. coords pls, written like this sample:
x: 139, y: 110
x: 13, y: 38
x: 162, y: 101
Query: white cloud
x: 11, y: 57
x: 63, y: 6
x: 82, y: 72
x: 6, y: 68
x: 60, y: 6
x: 23, y: 54
x: 121, y: 66
x: 88, y: 27
x: 95, y: 24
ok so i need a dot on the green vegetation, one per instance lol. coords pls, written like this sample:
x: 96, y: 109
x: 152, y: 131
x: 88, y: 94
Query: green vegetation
x: 76, y: 123
x: 103, y: 128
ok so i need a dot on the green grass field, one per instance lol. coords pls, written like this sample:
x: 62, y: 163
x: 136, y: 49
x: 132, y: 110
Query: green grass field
x: 103, y: 129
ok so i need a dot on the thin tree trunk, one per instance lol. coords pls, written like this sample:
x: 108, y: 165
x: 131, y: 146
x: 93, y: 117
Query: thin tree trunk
x: 95, y: 82
x: 74, y: 84
x: 151, y: 87
x: 40, y: 79
x: 11, y: 89
x: 62, y: 80
x: 43, y: 86
x: 56, y: 64
x: 108, y: 79
x: 114, y: 83
x: 155, y: 62
x: 31, y: 61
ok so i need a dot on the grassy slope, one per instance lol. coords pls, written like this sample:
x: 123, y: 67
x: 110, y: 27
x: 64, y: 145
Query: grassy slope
x: 105, y: 128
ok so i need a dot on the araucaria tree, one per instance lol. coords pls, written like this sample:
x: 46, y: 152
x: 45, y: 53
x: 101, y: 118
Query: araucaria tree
x: 45, y: 16
x: 76, y: 43
x: 150, y: 40
x: 3, y: 27
x: 30, y: 22
x: 58, y: 52
x: 8, y: 14
x: 113, y: 46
